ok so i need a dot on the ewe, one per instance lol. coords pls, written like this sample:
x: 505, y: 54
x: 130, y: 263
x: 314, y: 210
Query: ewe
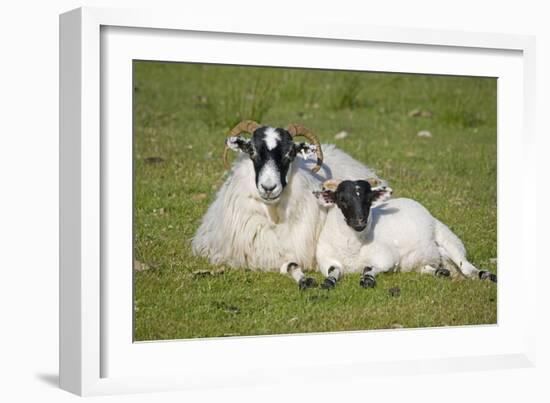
x: 265, y: 216
x: 364, y: 234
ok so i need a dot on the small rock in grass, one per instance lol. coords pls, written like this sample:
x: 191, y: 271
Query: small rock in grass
x: 341, y: 135
x: 397, y: 326
x: 154, y: 160
x: 395, y: 291
x: 424, y: 133
x: 416, y: 112
x: 139, y: 266
x: 294, y: 319
x: 199, y: 196
x: 493, y: 260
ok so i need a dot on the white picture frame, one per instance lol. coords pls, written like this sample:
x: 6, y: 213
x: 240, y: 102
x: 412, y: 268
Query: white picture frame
x: 97, y: 354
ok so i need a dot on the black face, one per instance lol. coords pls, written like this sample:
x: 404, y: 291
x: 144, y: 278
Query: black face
x: 354, y: 199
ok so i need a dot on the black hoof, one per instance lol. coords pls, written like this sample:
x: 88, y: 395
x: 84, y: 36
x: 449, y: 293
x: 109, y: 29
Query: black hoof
x: 441, y: 272
x: 329, y: 283
x: 367, y: 281
x: 486, y: 275
x: 306, y: 282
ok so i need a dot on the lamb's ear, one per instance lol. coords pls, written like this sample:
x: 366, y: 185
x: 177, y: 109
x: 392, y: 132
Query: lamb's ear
x: 305, y: 150
x: 239, y: 143
x: 376, y: 183
x: 380, y: 195
x: 331, y: 184
x: 326, y: 197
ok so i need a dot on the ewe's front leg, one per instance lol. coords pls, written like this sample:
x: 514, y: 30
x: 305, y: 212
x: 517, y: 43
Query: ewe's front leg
x: 295, y: 271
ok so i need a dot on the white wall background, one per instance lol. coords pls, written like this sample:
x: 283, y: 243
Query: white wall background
x: 29, y: 195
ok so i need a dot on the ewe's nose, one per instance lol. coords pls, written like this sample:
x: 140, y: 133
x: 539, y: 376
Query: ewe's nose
x: 268, y: 189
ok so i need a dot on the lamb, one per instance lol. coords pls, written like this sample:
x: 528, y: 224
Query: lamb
x: 370, y: 233
x: 264, y: 216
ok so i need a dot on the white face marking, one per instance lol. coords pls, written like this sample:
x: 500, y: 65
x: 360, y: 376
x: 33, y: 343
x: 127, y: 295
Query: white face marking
x: 269, y: 177
x: 271, y: 138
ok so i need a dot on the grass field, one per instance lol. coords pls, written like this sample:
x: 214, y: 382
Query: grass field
x: 182, y: 113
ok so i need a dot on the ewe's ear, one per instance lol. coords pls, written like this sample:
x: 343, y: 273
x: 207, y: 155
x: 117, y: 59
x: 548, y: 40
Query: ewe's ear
x: 326, y: 197
x: 305, y: 150
x: 238, y: 143
x: 380, y: 195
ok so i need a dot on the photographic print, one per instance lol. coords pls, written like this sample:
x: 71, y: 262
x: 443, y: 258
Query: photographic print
x: 272, y: 200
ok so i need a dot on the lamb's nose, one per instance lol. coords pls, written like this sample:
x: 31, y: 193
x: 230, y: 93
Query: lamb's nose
x: 269, y: 189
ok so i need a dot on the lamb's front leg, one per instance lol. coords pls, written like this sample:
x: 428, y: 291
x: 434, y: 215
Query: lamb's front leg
x: 331, y: 268
x: 295, y: 271
x: 332, y: 275
x: 378, y: 258
x: 368, y: 276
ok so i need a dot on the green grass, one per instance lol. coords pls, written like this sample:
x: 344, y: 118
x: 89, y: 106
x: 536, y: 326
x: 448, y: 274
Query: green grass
x: 182, y: 113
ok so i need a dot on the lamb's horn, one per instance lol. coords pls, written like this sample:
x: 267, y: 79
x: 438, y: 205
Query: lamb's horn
x: 246, y: 126
x: 299, y: 130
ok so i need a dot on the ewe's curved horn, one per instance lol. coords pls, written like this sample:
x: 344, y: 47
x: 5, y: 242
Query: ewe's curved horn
x: 246, y: 126
x: 299, y: 130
